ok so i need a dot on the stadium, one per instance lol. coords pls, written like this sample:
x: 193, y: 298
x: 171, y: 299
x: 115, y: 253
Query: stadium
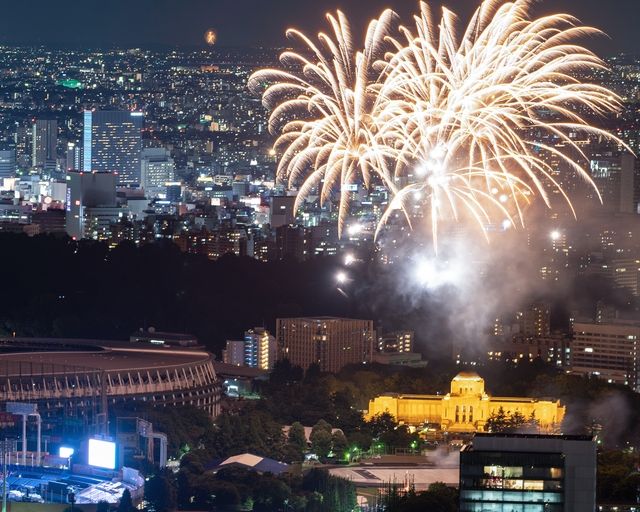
x: 76, y: 382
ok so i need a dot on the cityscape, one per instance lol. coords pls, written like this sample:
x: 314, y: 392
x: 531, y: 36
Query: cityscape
x: 386, y: 261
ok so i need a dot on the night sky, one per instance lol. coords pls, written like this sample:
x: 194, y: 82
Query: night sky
x: 99, y: 23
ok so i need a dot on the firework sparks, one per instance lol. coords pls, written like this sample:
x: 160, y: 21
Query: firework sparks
x: 450, y: 117
x: 323, y: 111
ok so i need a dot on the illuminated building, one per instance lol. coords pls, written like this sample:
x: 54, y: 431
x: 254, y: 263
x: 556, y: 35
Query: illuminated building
x: 554, y: 349
x: 7, y: 163
x: 156, y: 170
x: 256, y: 350
x: 112, y: 143
x: 282, y: 213
x: 528, y: 473
x: 607, y: 350
x: 293, y: 242
x: 535, y: 320
x: 400, y: 341
x: 466, y: 408
x: 614, y: 176
x: 327, y: 341
x: 45, y: 141
x: 626, y: 274
x: 87, y: 190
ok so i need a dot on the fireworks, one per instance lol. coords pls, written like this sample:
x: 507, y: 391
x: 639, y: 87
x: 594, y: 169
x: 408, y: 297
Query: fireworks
x: 324, y: 112
x: 459, y: 121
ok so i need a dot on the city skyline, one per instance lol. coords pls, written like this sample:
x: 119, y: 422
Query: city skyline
x: 254, y: 22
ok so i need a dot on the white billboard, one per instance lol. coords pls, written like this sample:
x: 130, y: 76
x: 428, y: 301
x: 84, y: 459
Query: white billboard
x: 102, y: 454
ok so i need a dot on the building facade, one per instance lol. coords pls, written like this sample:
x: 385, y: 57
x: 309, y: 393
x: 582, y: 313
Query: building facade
x: 607, y: 350
x: 528, y: 473
x: 156, y: 170
x: 466, y: 408
x: 86, y: 190
x: 45, y: 141
x: 329, y: 342
x: 112, y: 142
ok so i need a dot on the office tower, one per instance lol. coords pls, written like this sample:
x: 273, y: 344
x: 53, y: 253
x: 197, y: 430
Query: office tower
x: 614, y: 177
x: 532, y: 473
x: 536, y: 320
x: 7, y: 162
x: 607, y: 350
x: 23, y: 145
x: 44, y: 143
x: 87, y: 190
x: 282, y: 213
x: 112, y: 143
x: 156, y: 170
x: 73, y: 157
x: 328, y: 341
x: 626, y: 274
x: 293, y: 242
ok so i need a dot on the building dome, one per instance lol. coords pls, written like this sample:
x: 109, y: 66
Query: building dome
x: 467, y: 376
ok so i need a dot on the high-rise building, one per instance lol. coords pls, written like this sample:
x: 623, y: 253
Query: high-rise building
x: 73, y: 157
x: 327, y: 341
x: 614, y: 177
x: 44, y: 143
x: 7, y: 163
x: 293, y: 242
x: 112, y: 142
x: 256, y: 350
x: 260, y: 348
x: 607, y: 350
x: 87, y: 190
x: 533, y: 473
x: 282, y: 213
x: 535, y: 320
x: 23, y: 144
x: 626, y: 274
x: 156, y: 170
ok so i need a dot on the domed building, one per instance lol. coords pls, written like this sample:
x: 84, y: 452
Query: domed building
x: 466, y: 408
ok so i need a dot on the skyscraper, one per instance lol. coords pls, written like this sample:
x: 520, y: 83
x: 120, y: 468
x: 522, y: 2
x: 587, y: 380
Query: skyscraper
x: 45, y: 141
x: 113, y: 143
x: 87, y: 190
x: 7, y: 162
x: 156, y: 170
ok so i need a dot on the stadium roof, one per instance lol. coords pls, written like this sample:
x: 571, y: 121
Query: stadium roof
x: 20, y: 356
x: 250, y: 461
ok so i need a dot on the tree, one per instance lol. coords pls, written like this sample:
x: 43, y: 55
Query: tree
x: 297, y: 437
x: 497, y: 422
x: 338, y: 443
x: 161, y: 491
x: 381, y: 424
x: 321, y: 442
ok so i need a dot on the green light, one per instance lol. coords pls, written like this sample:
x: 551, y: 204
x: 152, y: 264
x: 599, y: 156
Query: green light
x: 70, y: 83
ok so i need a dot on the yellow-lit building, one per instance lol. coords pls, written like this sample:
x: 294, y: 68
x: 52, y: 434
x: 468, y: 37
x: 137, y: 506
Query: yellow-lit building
x: 466, y: 408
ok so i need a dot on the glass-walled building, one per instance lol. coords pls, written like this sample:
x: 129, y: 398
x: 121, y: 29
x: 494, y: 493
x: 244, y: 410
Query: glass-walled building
x: 528, y: 473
